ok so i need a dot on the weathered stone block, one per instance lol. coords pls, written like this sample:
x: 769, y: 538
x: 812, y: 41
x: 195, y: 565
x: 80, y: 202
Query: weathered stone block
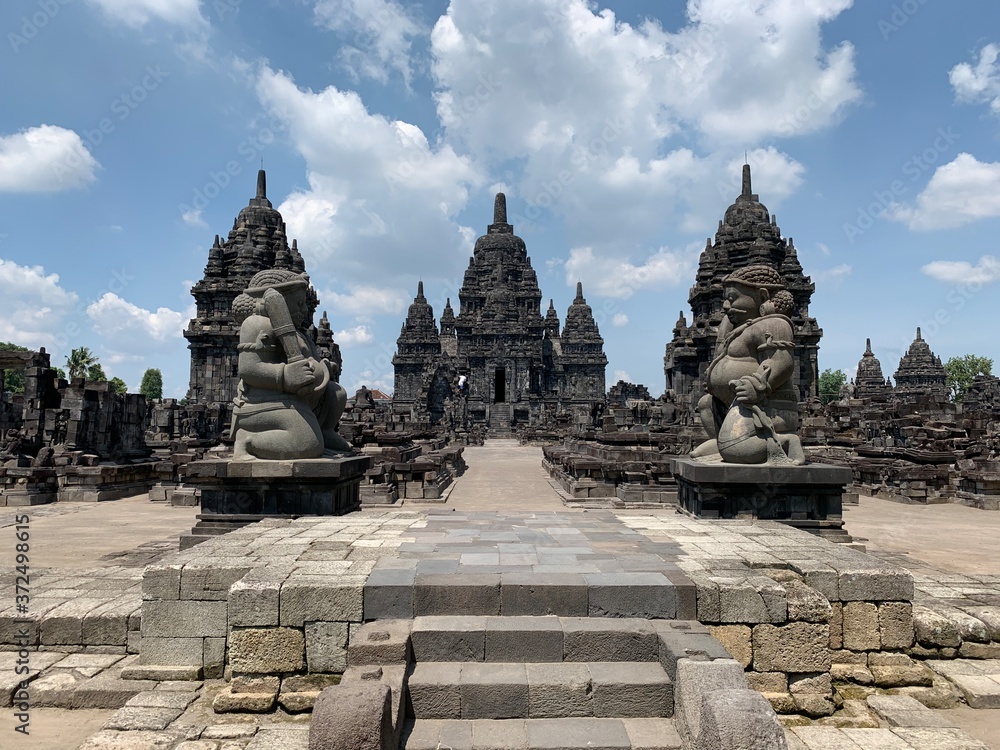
x: 861, y: 626
x: 266, y: 651
x: 334, y: 600
x: 326, y: 646
x: 172, y: 651
x: 737, y: 641
x: 796, y: 647
x: 895, y: 624
x: 379, y: 642
x: 180, y: 619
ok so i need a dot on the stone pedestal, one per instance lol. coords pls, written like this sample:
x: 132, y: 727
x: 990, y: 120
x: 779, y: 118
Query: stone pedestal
x: 236, y: 493
x: 807, y: 497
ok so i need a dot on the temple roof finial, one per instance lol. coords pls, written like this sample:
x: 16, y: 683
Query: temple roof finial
x: 261, y: 184
x: 868, y: 346
x: 918, y: 333
x: 420, y: 289
x: 579, y: 291
x: 747, y: 190
x: 500, y: 209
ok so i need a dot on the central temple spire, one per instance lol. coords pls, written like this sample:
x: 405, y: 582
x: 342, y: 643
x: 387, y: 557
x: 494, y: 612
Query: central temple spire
x: 500, y: 209
x: 261, y: 184
x: 500, y: 225
x: 747, y: 190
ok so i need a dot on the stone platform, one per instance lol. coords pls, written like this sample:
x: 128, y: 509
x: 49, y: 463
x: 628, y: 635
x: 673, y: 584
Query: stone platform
x: 805, y: 497
x: 235, y: 493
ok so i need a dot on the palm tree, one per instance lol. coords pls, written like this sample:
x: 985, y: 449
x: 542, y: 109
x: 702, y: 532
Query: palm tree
x: 79, y: 361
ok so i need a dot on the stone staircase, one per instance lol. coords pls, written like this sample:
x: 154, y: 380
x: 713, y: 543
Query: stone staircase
x: 538, y: 682
x: 501, y: 416
x: 530, y: 681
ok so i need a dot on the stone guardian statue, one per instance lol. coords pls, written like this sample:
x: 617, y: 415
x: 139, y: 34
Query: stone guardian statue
x: 751, y: 410
x: 288, y: 403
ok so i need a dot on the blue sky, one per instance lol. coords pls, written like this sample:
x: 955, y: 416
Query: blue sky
x: 131, y: 132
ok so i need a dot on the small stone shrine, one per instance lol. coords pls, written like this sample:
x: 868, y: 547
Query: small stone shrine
x: 517, y: 365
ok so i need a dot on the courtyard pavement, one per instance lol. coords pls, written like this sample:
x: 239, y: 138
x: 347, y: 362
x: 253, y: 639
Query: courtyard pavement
x: 70, y: 541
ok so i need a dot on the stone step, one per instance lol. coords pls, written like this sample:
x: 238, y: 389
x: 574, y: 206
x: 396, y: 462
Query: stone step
x: 498, y: 690
x: 534, y: 639
x: 542, y: 734
x: 646, y: 595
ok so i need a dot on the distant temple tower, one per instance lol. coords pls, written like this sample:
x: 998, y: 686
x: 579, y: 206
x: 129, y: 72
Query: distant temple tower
x: 516, y: 362
x: 256, y: 242
x: 870, y: 381
x: 920, y: 372
x: 747, y: 235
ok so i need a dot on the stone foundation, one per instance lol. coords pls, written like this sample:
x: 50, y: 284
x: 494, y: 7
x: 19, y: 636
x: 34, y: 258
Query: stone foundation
x: 235, y: 493
x: 805, y: 497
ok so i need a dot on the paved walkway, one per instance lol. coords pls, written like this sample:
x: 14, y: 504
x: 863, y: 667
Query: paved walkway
x: 948, y: 537
x: 503, y: 475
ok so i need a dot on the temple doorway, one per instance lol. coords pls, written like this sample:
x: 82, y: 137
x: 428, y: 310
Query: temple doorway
x: 500, y: 386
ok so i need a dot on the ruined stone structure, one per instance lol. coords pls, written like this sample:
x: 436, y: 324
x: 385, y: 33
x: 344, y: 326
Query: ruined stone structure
x: 747, y: 235
x: 256, y: 242
x: 517, y: 365
x: 920, y: 372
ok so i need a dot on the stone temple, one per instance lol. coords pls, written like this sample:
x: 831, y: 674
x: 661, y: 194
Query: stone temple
x: 520, y: 367
x: 747, y: 235
x: 256, y: 242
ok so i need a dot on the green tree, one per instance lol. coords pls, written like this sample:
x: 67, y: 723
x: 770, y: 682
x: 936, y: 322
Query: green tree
x: 60, y: 373
x: 79, y: 361
x: 830, y: 383
x: 96, y: 372
x: 13, y: 380
x: 962, y: 370
x: 152, y: 384
x: 118, y: 385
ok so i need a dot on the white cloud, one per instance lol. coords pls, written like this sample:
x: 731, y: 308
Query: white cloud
x: 46, y: 158
x: 622, y: 375
x: 823, y: 248
x: 364, y: 301
x: 619, y: 320
x: 985, y: 271
x: 378, y: 35
x: 979, y: 84
x: 960, y: 192
x: 33, y: 306
x: 736, y: 74
x: 620, y: 278
x: 834, y: 275
x: 130, y: 328
x: 384, y: 382
x: 137, y: 13
x: 354, y: 336
x: 193, y: 218
x: 378, y: 189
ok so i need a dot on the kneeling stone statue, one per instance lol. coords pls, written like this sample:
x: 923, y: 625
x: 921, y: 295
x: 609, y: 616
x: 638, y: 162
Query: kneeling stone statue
x: 288, y: 402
